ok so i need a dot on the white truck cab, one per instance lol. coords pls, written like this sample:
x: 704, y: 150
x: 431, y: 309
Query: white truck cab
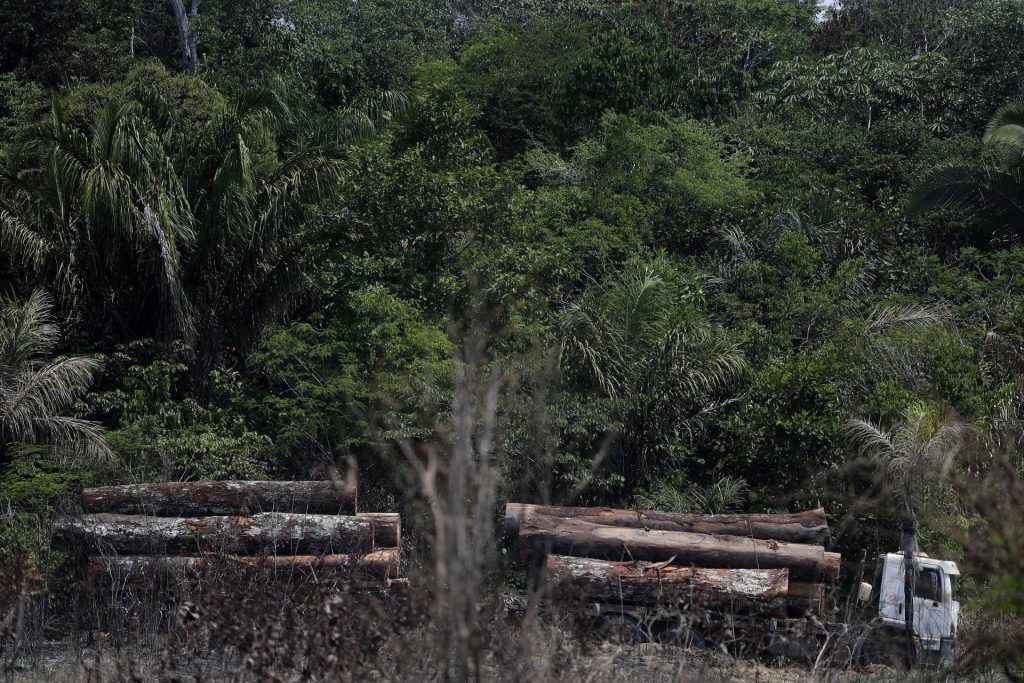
x: 936, y: 611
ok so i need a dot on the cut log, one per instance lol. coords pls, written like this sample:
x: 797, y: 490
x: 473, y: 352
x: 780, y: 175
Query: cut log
x: 267, y: 532
x: 639, y: 583
x: 806, y: 597
x: 799, y: 527
x: 203, y: 498
x: 540, y: 535
x: 380, y: 564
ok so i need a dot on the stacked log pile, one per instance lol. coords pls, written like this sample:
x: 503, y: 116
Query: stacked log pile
x: 178, y: 529
x: 771, y: 562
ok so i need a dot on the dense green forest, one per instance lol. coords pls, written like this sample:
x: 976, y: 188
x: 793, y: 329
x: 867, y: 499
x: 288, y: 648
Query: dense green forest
x: 711, y: 255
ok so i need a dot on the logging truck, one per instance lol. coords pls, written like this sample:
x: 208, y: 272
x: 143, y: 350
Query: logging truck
x: 751, y: 584
x: 873, y: 632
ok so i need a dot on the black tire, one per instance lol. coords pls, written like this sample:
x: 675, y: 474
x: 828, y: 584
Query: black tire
x: 681, y: 635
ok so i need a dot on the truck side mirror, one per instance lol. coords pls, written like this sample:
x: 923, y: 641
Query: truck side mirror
x: 864, y: 591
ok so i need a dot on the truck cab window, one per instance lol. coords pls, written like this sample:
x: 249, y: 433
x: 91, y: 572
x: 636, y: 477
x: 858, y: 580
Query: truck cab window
x: 928, y: 584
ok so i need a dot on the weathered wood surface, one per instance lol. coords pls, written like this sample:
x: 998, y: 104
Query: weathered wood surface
x: 379, y: 564
x: 265, y: 532
x: 800, y: 527
x: 642, y: 583
x: 541, y: 535
x: 806, y: 597
x: 203, y: 498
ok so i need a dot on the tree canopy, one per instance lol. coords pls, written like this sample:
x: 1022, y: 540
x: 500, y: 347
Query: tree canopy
x: 699, y: 238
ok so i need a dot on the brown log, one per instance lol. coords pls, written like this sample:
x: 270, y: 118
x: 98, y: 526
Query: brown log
x: 640, y: 583
x: 806, y: 597
x: 382, y: 563
x: 540, y: 535
x: 203, y: 498
x: 799, y: 527
x: 266, y: 532
x: 379, y: 564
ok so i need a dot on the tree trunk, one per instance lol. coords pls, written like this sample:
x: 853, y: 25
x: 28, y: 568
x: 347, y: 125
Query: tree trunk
x: 265, y: 532
x: 540, y: 535
x: 186, y: 40
x: 202, y: 498
x: 380, y: 564
x: 577, y: 578
x: 801, y: 527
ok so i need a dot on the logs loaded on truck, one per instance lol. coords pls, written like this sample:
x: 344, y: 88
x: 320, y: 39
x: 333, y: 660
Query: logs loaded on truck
x: 145, y: 532
x: 761, y: 579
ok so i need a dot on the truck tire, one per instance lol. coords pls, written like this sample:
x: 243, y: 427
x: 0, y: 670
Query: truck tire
x: 682, y: 635
x: 882, y: 646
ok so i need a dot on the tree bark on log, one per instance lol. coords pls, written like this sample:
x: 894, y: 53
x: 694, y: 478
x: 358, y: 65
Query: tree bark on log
x: 267, y: 532
x: 540, y: 535
x: 639, y: 583
x: 799, y: 527
x: 202, y: 498
x: 379, y: 564
x: 806, y: 597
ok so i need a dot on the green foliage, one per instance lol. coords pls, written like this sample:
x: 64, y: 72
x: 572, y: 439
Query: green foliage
x: 376, y: 364
x: 37, y: 390
x: 653, y: 359
x: 681, y: 226
x: 719, y: 497
x: 19, y: 101
x: 991, y: 190
x: 866, y: 84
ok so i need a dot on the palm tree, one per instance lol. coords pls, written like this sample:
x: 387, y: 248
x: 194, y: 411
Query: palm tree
x: 992, y: 190
x: 924, y: 444
x: 36, y: 390
x: 653, y: 355
x: 102, y: 218
x: 203, y: 238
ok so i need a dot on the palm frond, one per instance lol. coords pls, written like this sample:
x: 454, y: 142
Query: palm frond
x: 71, y: 438
x: 17, y: 238
x: 35, y: 391
x: 723, y: 495
x: 868, y: 439
x: 888, y: 317
x: 46, y: 389
x: 1006, y: 129
x: 26, y: 331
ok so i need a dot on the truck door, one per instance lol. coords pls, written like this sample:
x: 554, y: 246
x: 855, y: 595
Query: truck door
x: 931, y: 614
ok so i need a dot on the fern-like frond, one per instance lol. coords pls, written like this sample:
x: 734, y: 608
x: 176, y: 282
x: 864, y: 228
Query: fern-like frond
x: 869, y: 439
x: 888, y: 317
x: 18, y: 239
x: 71, y: 438
x: 27, y: 330
x: 1006, y: 130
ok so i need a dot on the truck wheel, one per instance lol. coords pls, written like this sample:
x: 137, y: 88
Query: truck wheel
x: 881, y: 648
x: 621, y: 629
x: 681, y: 635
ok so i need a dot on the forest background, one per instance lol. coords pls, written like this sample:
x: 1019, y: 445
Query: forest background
x: 716, y: 255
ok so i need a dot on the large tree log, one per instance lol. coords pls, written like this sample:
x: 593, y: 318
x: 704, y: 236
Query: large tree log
x: 378, y: 564
x: 799, y: 527
x: 541, y: 534
x: 202, y: 498
x: 806, y: 597
x: 266, y: 532
x: 640, y: 583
